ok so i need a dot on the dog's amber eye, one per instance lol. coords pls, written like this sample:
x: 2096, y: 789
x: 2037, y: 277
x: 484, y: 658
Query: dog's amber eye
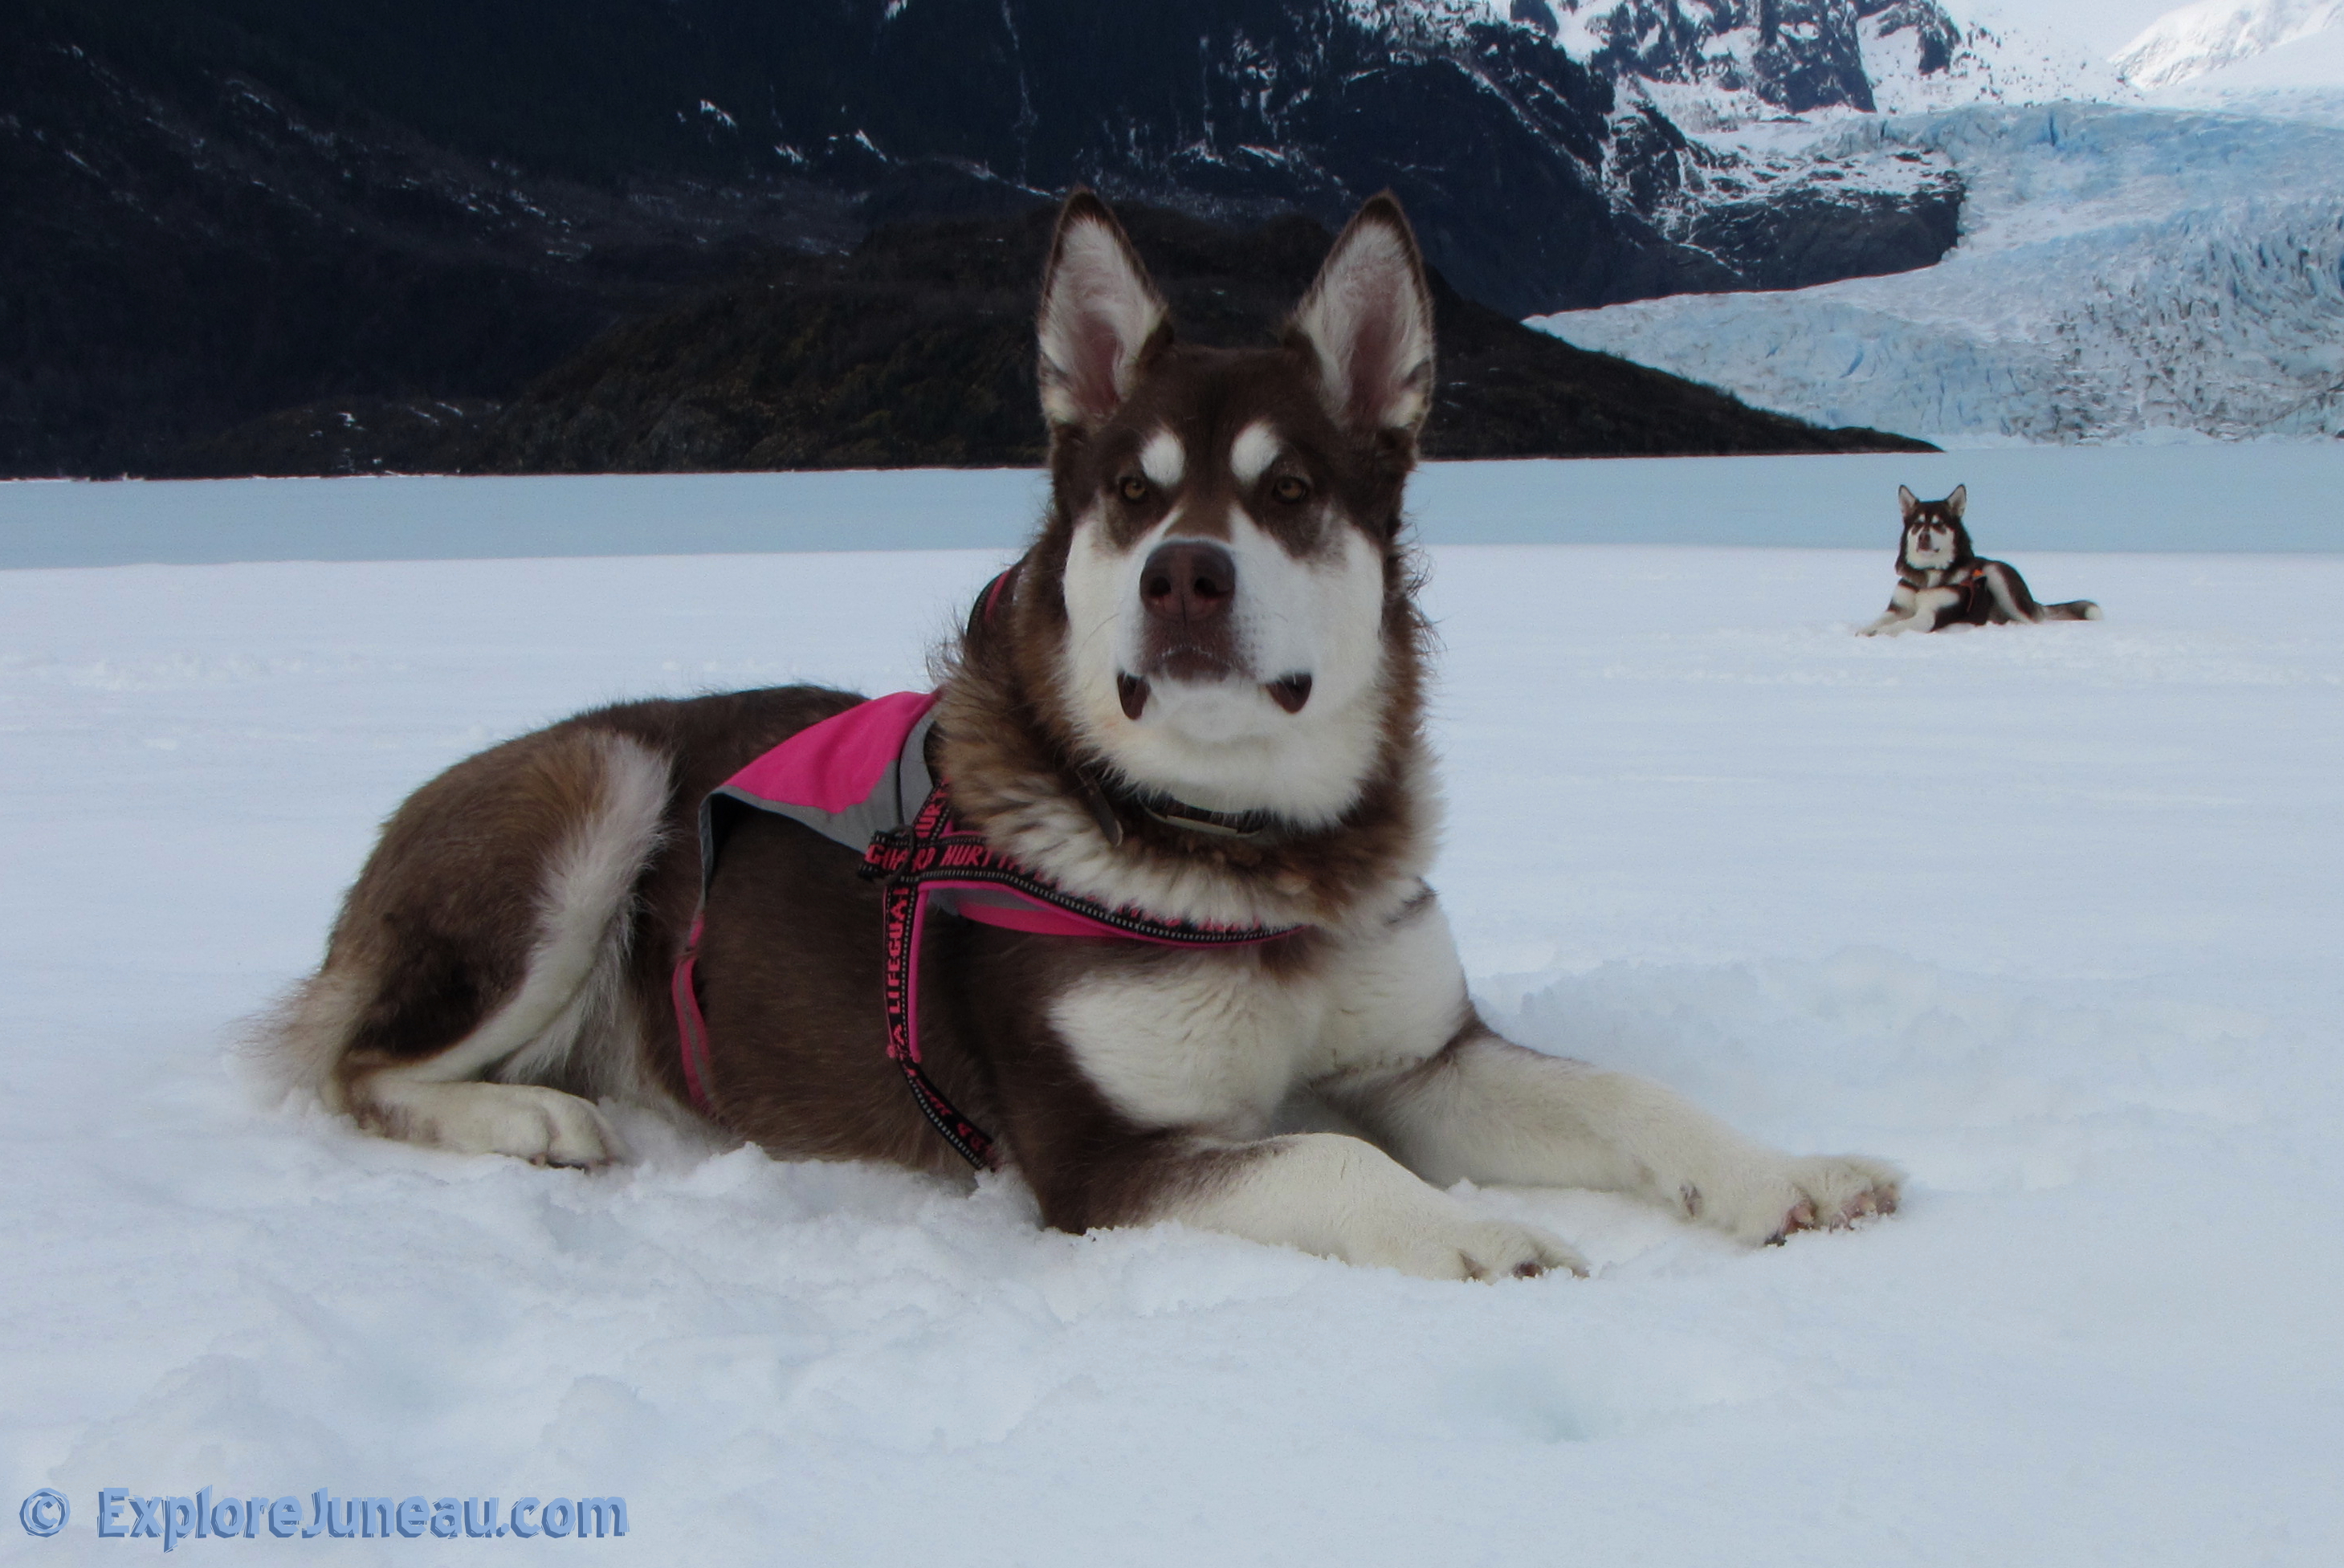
x: 1289, y: 489
x: 1132, y: 487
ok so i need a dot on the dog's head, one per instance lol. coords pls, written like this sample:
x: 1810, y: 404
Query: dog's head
x: 1218, y: 611
x: 1936, y: 539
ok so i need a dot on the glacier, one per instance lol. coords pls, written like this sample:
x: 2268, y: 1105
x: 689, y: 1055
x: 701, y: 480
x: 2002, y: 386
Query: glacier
x: 2126, y: 272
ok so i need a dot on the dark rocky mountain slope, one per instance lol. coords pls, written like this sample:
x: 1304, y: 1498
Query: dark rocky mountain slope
x: 918, y: 349
x: 220, y: 209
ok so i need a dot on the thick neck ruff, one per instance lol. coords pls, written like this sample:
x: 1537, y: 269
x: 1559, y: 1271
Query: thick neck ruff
x: 1022, y: 777
x: 861, y: 779
x: 1957, y: 574
x: 1096, y: 799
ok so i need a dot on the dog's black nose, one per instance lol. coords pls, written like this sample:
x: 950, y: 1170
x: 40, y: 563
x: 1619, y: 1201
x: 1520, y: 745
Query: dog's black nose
x: 1188, y: 581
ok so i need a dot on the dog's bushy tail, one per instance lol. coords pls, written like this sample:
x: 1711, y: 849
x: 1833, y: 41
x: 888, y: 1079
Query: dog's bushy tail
x: 2019, y: 605
x: 489, y: 929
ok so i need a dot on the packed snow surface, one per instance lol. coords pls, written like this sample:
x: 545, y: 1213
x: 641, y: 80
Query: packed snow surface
x: 2047, y: 915
x: 2123, y: 274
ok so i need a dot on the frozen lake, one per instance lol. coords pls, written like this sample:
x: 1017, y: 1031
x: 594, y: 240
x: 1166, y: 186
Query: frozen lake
x: 2049, y: 915
x: 2279, y: 496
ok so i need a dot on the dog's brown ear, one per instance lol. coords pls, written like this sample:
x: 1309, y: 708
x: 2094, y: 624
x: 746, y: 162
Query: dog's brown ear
x: 1908, y: 501
x: 1099, y: 314
x: 1958, y: 502
x: 1369, y: 319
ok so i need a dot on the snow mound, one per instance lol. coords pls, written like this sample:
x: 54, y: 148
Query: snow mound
x: 2125, y: 274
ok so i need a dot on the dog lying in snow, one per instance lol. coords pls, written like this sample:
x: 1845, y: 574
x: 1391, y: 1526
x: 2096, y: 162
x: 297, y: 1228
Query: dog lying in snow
x: 1145, y: 872
x: 1941, y: 581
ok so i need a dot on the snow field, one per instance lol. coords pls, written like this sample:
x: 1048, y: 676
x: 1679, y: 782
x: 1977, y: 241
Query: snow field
x: 2045, y: 914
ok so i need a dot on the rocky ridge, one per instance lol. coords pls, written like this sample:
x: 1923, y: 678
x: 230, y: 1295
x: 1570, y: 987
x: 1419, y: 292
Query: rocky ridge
x: 239, y: 206
x: 916, y: 348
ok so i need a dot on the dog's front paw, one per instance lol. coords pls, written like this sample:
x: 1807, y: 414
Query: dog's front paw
x: 1464, y: 1248
x: 1826, y: 1192
x: 526, y: 1121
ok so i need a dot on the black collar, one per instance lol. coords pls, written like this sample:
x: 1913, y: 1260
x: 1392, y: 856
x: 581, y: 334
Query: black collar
x: 1171, y: 812
x: 1197, y: 819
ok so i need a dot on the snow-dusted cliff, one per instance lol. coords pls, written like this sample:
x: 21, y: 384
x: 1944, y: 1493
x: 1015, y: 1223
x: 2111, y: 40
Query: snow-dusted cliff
x: 1739, y: 59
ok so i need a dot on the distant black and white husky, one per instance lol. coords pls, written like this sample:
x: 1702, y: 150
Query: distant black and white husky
x: 1194, y: 709
x: 1941, y: 581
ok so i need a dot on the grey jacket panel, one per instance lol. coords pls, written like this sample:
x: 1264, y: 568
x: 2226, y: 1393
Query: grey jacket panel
x: 902, y: 790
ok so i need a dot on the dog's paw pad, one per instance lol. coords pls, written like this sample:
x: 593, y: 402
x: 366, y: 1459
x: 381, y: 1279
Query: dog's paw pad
x: 1839, y: 1192
x: 573, y: 1136
x: 1802, y: 1217
x: 1469, y: 1249
x: 525, y: 1122
x: 1499, y: 1251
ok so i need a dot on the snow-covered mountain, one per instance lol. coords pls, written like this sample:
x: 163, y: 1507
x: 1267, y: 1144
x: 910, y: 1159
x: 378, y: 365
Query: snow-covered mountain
x: 1728, y: 61
x: 2125, y: 274
x: 2302, y: 78
x: 360, y: 223
x: 442, y: 202
x: 2212, y: 34
x: 1713, y: 134
x: 1982, y: 57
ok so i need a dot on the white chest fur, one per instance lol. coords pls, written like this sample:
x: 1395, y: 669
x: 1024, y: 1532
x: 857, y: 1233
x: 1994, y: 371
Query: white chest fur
x: 1219, y: 1040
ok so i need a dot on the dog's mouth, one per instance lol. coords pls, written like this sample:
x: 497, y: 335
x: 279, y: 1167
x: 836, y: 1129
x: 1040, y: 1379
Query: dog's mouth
x: 1190, y: 661
x: 1290, y: 692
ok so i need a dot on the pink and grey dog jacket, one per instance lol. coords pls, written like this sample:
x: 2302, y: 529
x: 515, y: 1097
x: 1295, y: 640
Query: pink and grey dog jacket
x: 861, y: 779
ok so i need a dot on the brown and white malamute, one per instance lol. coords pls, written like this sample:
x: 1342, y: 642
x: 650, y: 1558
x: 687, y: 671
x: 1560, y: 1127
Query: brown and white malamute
x: 1142, y: 876
x: 1941, y: 581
